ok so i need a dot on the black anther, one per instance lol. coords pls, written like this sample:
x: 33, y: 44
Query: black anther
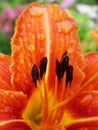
x: 35, y: 74
x: 64, y: 55
x: 64, y: 64
x: 58, y: 69
x: 69, y: 75
x: 43, y: 66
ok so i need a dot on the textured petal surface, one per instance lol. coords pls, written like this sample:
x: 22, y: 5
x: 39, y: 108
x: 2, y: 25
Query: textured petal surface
x: 87, y: 125
x: 5, y: 75
x: 11, y: 104
x: 92, y: 68
x: 14, y: 125
x: 84, y: 106
x: 42, y: 31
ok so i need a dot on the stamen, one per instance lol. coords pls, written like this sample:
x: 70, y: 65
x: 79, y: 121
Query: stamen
x: 64, y: 64
x: 42, y: 66
x: 45, y: 103
x: 58, y: 69
x: 35, y: 74
x: 64, y: 55
x: 69, y: 75
x: 64, y: 76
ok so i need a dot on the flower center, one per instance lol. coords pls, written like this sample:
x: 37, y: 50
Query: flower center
x: 47, y: 111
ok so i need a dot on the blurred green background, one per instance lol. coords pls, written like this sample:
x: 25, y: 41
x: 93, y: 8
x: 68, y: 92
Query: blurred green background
x: 11, y: 9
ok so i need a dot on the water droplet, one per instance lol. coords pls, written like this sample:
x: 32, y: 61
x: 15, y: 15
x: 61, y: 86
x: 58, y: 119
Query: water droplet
x: 22, y: 61
x: 65, y: 26
x: 41, y: 36
x: 87, y: 99
x: 42, y: 50
x: 7, y: 109
x: 36, y: 11
x: 31, y: 48
x: 70, y: 51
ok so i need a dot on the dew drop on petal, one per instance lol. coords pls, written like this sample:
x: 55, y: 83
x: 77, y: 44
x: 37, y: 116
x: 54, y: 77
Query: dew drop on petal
x: 21, y: 61
x: 31, y: 48
x: 41, y: 37
x: 42, y: 50
x: 65, y: 26
x: 70, y: 51
x: 7, y: 109
x: 36, y: 11
x: 87, y: 99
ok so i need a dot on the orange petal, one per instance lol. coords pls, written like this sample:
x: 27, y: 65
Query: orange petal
x: 94, y: 34
x: 11, y: 104
x: 84, y: 125
x: 84, y: 106
x: 5, y: 75
x: 14, y: 125
x: 92, y: 68
x: 42, y: 31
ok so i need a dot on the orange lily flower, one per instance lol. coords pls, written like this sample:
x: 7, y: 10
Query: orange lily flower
x: 47, y: 83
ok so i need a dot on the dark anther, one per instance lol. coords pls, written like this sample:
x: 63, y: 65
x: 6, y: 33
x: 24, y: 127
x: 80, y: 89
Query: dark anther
x: 69, y: 75
x: 64, y: 64
x: 58, y: 69
x: 43, y: 66
x: 35, y: 75
x: 64, y: 54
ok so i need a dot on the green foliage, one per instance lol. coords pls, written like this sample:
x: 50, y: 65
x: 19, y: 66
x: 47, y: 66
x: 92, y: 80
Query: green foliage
x: 86, y: 1
x: 4, y: 44
x: 85, y: 25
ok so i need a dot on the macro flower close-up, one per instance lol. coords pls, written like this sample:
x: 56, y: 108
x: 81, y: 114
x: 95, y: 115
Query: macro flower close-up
x: 47, y: 83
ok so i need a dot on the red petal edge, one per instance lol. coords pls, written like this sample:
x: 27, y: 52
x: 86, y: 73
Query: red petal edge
x: 14, y: 125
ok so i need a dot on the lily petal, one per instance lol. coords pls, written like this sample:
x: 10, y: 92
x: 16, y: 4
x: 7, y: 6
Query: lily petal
x: 94, y: 34
x: 36, y: 35
x: 83, y: 112
x: 84, y: 106
x: 14, y: 125
x: 91, y: 124
x: 5, y: 75
x: 11, y: 104
x: 91, y: 69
